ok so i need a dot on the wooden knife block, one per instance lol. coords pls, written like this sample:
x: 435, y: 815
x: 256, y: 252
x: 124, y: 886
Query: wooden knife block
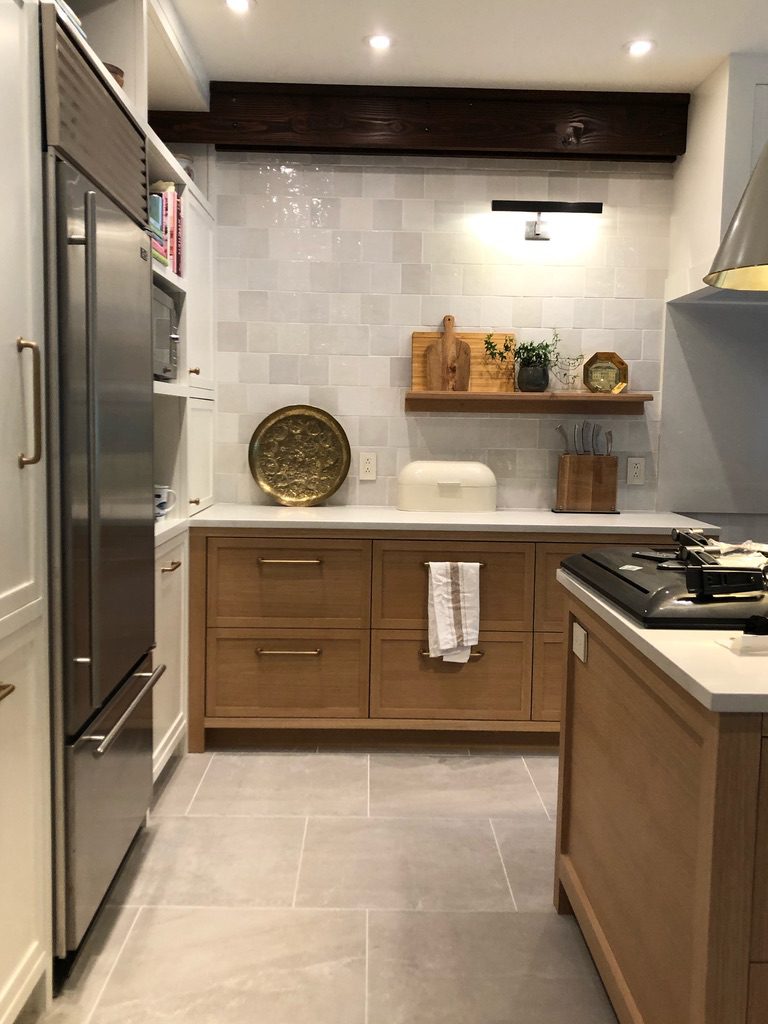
x: 587, y: 483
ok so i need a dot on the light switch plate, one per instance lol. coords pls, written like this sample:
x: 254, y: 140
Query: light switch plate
x: 579, y: 642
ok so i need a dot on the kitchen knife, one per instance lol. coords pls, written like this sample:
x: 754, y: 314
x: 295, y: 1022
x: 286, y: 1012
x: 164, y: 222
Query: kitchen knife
x: 585, y: 438
x: 561, y: 431
x: 576, y: 448
x: 608, y: 442
x: 595, y: 436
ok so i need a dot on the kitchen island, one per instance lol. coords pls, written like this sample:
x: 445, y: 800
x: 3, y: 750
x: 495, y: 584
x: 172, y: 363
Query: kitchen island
x: 315, y: 618
x: 662, y: 849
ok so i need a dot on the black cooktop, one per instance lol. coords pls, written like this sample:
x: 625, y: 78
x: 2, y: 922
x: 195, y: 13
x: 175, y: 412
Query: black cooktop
x: 675, y: 587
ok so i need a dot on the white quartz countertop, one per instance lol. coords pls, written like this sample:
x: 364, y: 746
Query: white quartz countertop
x: 714, y: 675
x: 366, y: 517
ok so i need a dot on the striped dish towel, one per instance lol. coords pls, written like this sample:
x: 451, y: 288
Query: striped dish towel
x: 453, y: 609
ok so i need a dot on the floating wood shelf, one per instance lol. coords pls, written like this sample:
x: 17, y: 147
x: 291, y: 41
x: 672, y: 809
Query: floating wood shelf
x: 537, y: 402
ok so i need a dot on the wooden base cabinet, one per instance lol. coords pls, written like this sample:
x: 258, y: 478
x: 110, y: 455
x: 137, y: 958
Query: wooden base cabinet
x: 340, y: 621
x: 657, y: 826
x: 548, y: 666
x: 285, y: 673
x: 494, y: 685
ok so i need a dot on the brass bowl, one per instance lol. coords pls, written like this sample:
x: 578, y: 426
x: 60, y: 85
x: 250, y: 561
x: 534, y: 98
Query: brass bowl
x: 299, y: 455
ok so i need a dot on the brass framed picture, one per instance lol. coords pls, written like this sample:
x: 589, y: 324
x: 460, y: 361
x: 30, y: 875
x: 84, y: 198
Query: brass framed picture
x: 606, y: 373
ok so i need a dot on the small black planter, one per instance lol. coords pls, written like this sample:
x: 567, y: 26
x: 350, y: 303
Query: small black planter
x: 533, y: 378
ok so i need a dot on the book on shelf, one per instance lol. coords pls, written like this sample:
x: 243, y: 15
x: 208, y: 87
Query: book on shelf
x: 165, y: 220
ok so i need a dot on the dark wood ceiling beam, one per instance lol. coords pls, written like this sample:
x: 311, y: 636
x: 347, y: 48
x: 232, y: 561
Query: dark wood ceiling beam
x: 317, y: 118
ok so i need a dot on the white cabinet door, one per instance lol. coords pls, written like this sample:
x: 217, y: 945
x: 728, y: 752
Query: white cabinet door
x: 21, y: 285
x: 25, y: 842
x: 198, y: 276
x: 200, y: 443
x: 169, y: 698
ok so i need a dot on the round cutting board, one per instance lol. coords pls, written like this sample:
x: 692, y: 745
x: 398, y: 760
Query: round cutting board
x: 299, y: 455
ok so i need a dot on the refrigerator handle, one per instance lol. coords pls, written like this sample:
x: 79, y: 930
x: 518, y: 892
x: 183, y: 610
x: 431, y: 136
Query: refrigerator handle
x: 105, y: 742
x: 94, y: 540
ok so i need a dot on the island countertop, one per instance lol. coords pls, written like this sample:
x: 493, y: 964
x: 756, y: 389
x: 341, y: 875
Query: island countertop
x: 368, y: 517
x: 693, y: 658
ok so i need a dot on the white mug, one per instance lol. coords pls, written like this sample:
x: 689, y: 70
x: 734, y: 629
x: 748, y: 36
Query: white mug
x: 165, y: 500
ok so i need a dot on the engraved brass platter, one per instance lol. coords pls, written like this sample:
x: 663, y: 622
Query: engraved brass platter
x: 299, y: 455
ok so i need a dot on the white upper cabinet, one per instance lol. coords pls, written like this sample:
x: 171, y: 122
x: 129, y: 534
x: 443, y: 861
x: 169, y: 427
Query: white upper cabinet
x: 198, y: 279
x: 21, y: 304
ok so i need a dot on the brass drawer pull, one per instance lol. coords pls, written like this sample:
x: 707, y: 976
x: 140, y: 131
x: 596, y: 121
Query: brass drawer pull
x: 194, y: 501
x: 290, y: 561
x: 481, y: 564
x: 195, y: 369
x: 304, y: 654
x: 6, y: 689
x: 473, y: 654
x: 175, y: 564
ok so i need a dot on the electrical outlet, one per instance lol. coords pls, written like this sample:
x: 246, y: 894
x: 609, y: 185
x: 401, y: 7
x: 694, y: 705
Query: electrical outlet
x: 367, y: 470
x: 635, y: 471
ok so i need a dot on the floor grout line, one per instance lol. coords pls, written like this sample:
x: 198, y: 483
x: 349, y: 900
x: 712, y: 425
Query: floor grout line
x: 538, y: 794
x: 301, y: 858
x: 367, y: 914
x: 111, y: 971
x: 258, y: 907
x: 197, y: 788
x: 503, y: 865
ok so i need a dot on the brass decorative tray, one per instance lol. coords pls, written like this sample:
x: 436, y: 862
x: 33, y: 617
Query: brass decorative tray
x: 299, y: 455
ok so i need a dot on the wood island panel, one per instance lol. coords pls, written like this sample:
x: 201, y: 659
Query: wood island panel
x: 287, y: 673
x: 760, y: 907
x: 494, y: 685
x: 656, y: 835
x: 288, y: 583
x: 400, y: 582
x: 758, y: 994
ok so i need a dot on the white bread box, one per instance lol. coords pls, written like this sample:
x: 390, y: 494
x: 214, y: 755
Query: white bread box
x: 446, y: 487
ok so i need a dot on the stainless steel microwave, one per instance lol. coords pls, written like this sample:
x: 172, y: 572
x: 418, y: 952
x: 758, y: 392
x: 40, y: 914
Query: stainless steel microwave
x: 165, y: 336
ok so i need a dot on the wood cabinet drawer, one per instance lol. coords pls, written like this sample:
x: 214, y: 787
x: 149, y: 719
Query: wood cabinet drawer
x: 288, y: 583
x: 400, y: 582
x: 284, y: 673
x: 494, y: 685
x: 548, y: 673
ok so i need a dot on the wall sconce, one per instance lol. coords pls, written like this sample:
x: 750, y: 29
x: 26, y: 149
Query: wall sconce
x: 536, y: 230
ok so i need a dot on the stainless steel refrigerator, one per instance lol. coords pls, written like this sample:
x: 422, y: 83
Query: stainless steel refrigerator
x: 105, y: 513
x: 100, y: 481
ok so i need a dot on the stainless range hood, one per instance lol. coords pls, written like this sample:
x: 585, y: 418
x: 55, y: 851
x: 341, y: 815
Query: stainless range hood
x: 741, y: 262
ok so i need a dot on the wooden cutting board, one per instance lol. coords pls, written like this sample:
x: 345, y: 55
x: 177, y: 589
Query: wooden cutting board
x: 440, y: 365
x: 448, y: 360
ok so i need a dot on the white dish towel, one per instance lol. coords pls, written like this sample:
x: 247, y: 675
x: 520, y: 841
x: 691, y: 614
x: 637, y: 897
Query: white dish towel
x: 453, y: 609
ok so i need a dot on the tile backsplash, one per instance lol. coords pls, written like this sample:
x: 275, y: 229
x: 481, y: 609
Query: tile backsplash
x: 325, y: 265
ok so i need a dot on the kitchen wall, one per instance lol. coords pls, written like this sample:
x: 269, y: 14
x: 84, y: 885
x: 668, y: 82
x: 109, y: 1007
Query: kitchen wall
x: 327, y: 264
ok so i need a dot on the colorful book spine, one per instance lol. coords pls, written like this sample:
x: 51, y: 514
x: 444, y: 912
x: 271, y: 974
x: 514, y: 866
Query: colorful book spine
x: 179, y: 236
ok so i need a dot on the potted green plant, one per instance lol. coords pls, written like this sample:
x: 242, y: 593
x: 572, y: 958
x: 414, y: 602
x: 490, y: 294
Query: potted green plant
x: 534, y: 359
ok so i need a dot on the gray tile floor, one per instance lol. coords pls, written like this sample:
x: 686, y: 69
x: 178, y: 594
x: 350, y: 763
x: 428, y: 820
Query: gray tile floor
x: 341, y: 888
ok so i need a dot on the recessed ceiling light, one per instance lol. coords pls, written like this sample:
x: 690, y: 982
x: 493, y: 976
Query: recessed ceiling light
x: 379, y: 42
x: 239, y: 6
x: 639, y: 47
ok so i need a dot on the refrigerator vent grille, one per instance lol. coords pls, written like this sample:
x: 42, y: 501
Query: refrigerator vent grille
x: 86, y: 125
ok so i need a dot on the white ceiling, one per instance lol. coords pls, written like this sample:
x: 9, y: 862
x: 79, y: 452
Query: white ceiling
x: 492, y: 43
